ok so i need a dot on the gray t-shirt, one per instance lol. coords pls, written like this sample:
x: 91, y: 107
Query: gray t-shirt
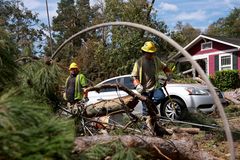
x: 148, y: 71
x: 70, y: 88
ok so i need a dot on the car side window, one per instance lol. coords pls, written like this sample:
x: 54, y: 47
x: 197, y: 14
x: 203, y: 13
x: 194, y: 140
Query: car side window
x: 110, y: 82
x: 128, y: 83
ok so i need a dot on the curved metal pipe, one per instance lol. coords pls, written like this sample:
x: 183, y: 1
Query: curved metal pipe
x: 184, y: 52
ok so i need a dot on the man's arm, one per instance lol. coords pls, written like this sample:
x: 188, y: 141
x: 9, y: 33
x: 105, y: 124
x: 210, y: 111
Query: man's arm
x: 84, y: 84
x: 135, y: 78
x: 165, y: 69
x: 137, y: 84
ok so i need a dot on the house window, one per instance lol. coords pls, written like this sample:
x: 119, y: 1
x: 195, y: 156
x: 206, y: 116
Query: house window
x: 206, y: 45
x: 225, y: 62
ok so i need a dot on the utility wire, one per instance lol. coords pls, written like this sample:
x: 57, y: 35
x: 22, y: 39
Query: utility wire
x: 191, y: 123
x: 49, y: 28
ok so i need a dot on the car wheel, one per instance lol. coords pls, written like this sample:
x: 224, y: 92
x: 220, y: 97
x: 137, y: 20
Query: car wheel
x: 174, y: 108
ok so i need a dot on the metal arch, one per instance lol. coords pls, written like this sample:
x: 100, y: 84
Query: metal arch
x: 180, y: 49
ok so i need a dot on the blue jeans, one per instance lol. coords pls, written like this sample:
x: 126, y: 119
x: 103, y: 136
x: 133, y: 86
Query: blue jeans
x: 156, y: 95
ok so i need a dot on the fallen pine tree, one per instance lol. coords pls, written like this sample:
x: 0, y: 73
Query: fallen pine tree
x: 183, y: 148
x: 105, y: 107
x: 129, y: 104
x: 124, y: 104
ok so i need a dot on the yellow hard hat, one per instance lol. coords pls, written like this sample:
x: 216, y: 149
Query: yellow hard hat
x: 149, y: 47
x: 73, y: 65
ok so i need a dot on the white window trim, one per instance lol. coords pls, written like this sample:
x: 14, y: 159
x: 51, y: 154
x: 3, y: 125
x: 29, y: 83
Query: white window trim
x: 207, y: 65
x: 206, y: 43
x: 220, y: 57
x: 207, y: 62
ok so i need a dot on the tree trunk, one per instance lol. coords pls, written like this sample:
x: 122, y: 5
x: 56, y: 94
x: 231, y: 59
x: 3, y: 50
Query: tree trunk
x: 184, y: 130
x: 106, y: 107
x: 130, y: 104
x: 180, y: 149
x: 151, y: 106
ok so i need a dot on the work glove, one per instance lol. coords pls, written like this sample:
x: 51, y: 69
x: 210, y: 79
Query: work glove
x: 85, y: 99
x: 169, y: 77
x: 64, y: 96
x: 139, y: 88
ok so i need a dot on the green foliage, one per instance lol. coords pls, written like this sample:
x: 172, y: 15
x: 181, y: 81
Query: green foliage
x: 73, y: 16
x: 228, y: 26
x: 182, y: 79
x: 184, y: 33
x: 8, y: 51
x: 232, y: 110
x: 201, y: 118
x: 21, y: 24
x: 41, y: 80
x: 115, y: 49
x: 98, y: 152
x: 118, y: 58
x: 226, y: 79
x: 111, y: 51
x: 116, y: 150
x: 29, y: 130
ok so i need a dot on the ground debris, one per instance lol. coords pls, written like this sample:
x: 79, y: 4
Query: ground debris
x: 233, y: 96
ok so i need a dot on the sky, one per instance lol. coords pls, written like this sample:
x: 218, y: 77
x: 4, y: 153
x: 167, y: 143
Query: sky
x: 199, y: 13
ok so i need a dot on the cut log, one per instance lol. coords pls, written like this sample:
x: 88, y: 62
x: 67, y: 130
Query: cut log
x: 179, y: 149
x: 129, y: 103
x: 184, y: 130
x: 233, y: 96
x: 108, y: 107
x: 150, y: 105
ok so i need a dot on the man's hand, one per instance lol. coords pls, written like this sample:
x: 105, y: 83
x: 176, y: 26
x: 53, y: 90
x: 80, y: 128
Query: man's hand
x: 139, y: 88
x: 137, y: 84
x: 169, y: 76
x: 85, y: 95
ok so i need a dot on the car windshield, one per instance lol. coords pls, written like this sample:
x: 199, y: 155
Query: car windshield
x: 125, y: 81
x: 128, y: 83
x: 110, y: 82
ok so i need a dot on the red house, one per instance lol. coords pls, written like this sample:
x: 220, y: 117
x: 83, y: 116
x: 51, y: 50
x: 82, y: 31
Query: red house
x: 212, y: 53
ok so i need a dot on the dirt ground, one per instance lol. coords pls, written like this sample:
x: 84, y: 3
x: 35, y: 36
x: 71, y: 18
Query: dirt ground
x: 215, y: 142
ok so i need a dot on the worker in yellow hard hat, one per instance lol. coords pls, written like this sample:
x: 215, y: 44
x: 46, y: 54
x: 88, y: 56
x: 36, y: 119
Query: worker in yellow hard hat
x: 75, y: 86
x: 145, y: 75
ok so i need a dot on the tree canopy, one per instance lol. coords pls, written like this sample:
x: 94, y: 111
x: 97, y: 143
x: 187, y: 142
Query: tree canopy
x: 23, y: 26
x: 184, y: 33
x: 227, y: 26
x: 29, y: 90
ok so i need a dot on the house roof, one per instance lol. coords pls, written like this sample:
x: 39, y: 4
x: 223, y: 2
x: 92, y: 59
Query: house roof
x: 234, y: 42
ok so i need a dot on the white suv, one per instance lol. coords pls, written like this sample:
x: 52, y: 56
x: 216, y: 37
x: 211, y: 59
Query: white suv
x: 184, y: 97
